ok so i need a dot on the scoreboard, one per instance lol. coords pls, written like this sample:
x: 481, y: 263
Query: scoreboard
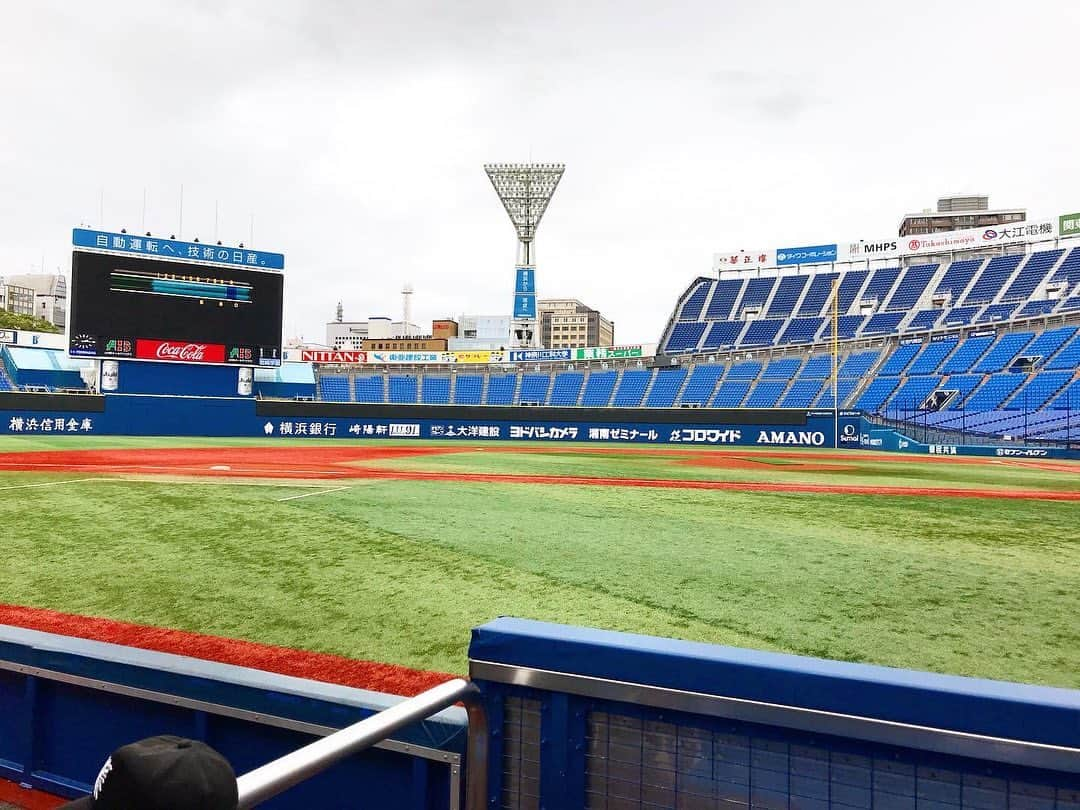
x: 136, y: 308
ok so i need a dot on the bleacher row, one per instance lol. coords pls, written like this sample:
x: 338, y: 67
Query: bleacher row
x: 723, y: 313
x: 987, y: 380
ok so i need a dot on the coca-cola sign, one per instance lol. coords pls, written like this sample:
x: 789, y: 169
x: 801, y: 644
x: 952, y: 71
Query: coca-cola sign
x: 178, y: 351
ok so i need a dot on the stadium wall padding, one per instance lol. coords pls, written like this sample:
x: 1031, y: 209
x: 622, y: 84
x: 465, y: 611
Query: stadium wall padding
x: 163, y: 415
x: 623, y: 715
x: 172, y: 378
x: 66, y: 703
x: 166, y: 415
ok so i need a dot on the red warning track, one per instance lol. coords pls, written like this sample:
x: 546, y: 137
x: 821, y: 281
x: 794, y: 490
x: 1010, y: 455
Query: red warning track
x: 352, y: 462
x: 390, y: 678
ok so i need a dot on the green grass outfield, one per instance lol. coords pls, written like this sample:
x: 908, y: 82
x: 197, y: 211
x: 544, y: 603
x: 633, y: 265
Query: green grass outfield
x: 398, y: 571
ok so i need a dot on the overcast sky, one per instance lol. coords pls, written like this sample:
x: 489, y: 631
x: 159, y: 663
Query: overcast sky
x: 355, y: 134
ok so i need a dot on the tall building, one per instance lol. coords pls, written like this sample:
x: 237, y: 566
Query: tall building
x: 566, y: 323
x: 16, y: 300
x: 959, y: 212
x: 342, y: 335
x: 49, y: 295
x: 478, y: 332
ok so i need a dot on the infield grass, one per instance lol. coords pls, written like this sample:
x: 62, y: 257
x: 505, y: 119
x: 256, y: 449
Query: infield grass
x: 399, y: 571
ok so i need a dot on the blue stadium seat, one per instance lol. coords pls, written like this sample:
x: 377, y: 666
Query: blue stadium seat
x: 665, y: 388
x: 598, y: 389
x: 1031, y: 274
x: 402, y: 390
x: 748, y: 370
x: 901, y: 356
x: 818, y: 367
x: 925, y: 319
x: 880, y: 284
x: 883, y: 323
x: 722, y: 334
x: 435, y: 390
x: 844, y: 389
x: 992, y: 279
x: 996, y: 389
x: 685, y: 336
x: 787, y: 295
x: 847, y: 326
x: 632, y: 385
x: 761, y: 333
x: 1069, y: 400
x: 1039, y: 390
x: 784, y: 368
x: 1071, y: 304
x: 468, y: 389
x: 567, y: 388
x: 501, y: 389
x: 1049, y: 342
x: 957, y: 277
x: 858, y: 365
x: 1007, y: 347
x: 1068, y: 357
x: 757, y: 292
x: 334, y: 388
x: 766, y: 394
x: 370, y: 388
x: 723, y: 299
x: 850, y: 285
x: 963, y: 385
x: 966, y: 354
x: 801, y: 394
x: 534, y: 388
x: 911, y: 287
x: 875, y: 394
x: 932, y: 356
x: 960, y: 316
x: 801, y: 330
x: 996, y: 312
x: 691, y: 308
x: 914, y: 391
x: 702, y: 383
x: 1033, y: 309
x: 1069, y: 270
x: 731, y: 393
x: 819, y: 292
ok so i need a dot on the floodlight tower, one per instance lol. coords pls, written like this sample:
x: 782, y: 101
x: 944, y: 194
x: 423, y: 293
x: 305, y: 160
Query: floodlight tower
x: 525, y: 190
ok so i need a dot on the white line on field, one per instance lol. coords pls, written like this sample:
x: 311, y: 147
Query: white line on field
x: 53, y: 483
x: 309, y: 494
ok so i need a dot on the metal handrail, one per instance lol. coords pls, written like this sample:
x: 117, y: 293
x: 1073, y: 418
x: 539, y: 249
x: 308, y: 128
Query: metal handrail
x: 283, y: 773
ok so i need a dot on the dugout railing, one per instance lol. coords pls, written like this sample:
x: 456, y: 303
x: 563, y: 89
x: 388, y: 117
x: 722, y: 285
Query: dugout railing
x: 558, y: 717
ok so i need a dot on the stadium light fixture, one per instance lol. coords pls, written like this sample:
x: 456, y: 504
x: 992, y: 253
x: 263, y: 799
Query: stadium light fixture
x: 525, y: 189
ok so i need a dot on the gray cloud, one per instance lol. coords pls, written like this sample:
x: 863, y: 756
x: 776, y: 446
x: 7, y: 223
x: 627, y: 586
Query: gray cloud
x: 355, y: 134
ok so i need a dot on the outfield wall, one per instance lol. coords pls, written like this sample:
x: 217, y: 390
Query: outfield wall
x: 169, y: 415
x: 173, y: 415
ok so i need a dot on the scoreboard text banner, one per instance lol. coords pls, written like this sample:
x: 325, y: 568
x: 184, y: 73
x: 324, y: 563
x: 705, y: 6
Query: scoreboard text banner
x: 153, y: 248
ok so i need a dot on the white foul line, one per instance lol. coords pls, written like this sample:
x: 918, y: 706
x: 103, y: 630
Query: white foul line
x: 309, y: 494
x: 54, y: 483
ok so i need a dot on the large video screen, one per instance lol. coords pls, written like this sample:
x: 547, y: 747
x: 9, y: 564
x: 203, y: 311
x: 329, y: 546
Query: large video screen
x: 142, y: 309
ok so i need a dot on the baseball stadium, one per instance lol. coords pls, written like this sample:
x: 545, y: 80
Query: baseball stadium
x: 816, y: 546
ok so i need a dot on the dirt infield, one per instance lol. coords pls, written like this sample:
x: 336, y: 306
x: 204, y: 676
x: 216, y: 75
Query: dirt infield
x: 350, y: 462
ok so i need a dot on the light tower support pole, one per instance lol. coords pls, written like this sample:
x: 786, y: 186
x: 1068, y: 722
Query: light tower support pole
x: 525, y: 190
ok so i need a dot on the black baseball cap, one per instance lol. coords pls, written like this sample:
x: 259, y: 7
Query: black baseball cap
x: 162, y: 773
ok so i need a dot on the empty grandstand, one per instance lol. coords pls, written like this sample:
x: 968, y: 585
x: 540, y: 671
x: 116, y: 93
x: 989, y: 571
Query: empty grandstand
x: 987, y: 344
